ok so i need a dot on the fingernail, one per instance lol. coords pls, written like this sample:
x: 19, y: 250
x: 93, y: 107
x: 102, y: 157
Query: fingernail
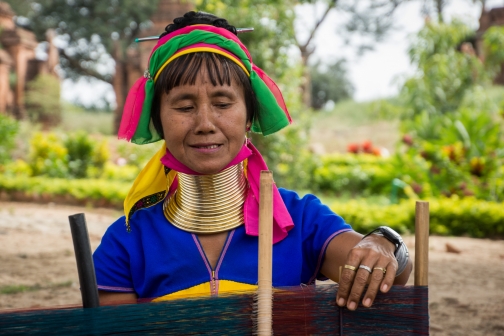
x: 367, y: 302
x: 384, y: 288
x: 352, y: 305
x: 341, y: 302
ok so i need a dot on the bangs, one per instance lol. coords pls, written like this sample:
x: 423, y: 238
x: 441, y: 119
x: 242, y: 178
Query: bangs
x: 185, y: 70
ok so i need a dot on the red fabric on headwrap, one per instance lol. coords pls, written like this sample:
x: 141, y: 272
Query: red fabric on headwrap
x: 282, y: 221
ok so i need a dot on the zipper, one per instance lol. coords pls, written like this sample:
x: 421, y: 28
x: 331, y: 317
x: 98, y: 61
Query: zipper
x: 214, y: 290
x: 214, y: 287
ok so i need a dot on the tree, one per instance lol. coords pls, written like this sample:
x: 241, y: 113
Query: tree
x: 89, y: 29
x: 329, y: 83
x: 370, y: 18
x: 273, y: 23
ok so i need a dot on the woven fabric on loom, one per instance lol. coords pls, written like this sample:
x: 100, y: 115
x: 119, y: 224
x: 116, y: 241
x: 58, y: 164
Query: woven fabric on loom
x: 309, y: 310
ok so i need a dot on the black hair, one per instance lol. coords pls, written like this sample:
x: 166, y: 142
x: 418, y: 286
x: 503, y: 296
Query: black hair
x: 184, y: 70
x: 192, y: 18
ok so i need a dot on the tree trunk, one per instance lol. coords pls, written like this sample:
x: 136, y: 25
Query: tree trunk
x: 120, y: 83
x: 121, y: 88
x: 306, y: 82
x: 439, y: 8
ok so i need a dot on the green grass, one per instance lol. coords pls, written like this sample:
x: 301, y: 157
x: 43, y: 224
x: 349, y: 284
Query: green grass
x: 496, y: 94
x: 76, y: 118
x: 329, y: 199
x: 15, y: 289
x: 353, y: 122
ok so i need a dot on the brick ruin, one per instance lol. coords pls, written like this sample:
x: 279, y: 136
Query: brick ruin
x: 18, y: 62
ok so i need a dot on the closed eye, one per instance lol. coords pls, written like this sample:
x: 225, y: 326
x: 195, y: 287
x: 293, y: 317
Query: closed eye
x: 223, y: 105
x: 184, y: 109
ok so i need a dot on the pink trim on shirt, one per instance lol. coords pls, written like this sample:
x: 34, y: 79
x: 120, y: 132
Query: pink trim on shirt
x: 224, y: 250
x: 119, y: 289
x: 203, y: 255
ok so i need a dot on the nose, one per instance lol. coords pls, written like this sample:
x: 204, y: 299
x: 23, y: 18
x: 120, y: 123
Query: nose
x: 204, y: 120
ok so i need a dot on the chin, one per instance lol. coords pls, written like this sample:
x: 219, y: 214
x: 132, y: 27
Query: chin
x: 208, y: 169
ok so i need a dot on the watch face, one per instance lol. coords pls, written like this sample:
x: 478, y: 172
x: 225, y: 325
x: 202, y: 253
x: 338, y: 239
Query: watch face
x: 391, y: 235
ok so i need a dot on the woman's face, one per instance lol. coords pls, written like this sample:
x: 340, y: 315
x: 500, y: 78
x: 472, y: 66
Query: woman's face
x: 204, y: 125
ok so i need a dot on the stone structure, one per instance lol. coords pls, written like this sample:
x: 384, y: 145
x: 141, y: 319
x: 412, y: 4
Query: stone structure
x: 18, y: 63
x: 493, y: 17
x: 131, y: 65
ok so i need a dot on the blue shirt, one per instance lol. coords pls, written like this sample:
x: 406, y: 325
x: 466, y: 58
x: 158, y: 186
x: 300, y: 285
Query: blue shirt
x: 156, y: 260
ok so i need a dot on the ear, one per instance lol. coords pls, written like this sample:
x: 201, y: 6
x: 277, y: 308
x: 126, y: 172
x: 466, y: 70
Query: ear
x: 247, y: 126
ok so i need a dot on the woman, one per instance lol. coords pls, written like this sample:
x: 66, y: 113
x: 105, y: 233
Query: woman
x: 191, y: 216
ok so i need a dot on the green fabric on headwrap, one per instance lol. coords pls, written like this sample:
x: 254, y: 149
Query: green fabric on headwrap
x: 270, y: 118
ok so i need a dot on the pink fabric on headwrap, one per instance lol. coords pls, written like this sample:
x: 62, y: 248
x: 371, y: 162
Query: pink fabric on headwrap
x: 217, y: 30
x: 282, y: 221
x: 132, y: 110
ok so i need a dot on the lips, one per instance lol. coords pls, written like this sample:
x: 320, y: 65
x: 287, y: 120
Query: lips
x: 206, y: 148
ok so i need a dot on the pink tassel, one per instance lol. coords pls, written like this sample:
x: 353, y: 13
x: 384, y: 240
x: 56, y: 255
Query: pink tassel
x: 132, y: 110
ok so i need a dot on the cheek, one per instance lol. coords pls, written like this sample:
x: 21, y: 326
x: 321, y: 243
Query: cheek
x: 173, y: 129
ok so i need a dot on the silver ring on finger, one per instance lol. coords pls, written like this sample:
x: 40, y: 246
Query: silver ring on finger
x: 366, y: 268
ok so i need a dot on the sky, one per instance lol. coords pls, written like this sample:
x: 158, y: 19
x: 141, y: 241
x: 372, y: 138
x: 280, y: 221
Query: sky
x: 376, y: 74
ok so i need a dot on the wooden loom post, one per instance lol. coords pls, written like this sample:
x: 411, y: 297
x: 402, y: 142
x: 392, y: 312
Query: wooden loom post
x: 421, y: 243
x: 265, y: 291
x: 84, y: 258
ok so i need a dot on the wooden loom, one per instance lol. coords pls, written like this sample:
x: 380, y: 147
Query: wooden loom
x: 304, y: 310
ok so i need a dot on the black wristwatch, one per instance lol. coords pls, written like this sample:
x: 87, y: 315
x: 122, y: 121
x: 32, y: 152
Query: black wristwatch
x: 390, y: 235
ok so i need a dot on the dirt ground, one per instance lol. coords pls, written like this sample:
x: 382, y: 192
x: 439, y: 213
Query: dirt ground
x: 37, y: 268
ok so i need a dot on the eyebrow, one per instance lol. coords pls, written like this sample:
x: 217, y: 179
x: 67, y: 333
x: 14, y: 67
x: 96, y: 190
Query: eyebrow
x: 215, y: 94
x: 223, y: 93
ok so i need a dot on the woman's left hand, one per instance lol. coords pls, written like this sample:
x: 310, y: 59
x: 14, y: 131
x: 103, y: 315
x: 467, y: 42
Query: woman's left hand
x: 364, y: 261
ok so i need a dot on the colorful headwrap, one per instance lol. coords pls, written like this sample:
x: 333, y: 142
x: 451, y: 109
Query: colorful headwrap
x: 136, y: 124
x: 159, y: 177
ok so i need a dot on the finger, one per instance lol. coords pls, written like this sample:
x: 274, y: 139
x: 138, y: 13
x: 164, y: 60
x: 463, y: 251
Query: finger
x: 376, y: 279
x: 345, y: 284
x: 388, y: 281
x: 347, y: 277
x: 358, y: 287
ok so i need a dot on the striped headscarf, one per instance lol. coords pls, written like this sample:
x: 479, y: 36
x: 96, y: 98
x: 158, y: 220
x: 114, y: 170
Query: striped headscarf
x: 136, y: 124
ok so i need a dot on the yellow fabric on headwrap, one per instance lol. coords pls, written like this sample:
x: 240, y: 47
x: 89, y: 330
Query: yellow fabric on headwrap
x: 200, y: 49
x: 150, y: 186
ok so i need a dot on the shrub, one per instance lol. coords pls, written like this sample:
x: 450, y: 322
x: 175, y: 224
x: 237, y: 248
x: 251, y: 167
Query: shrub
x: 355, y: 174
x: 8, y: 130
x: 80, y: 154
x: 48, y: 155
x: 43, y: 100
x: 83, y: 190
x: 17, y: 168
x: 448, y: 216
x: 126, y: 173
x: 137, y: 155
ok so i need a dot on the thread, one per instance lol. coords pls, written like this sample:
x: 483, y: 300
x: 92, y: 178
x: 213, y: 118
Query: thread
x: 300, y: 310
